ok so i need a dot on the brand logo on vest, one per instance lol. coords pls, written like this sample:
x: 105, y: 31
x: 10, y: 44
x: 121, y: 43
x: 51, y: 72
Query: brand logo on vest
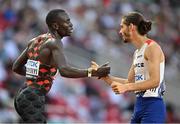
x: 32, y: 67
x: 31, y: 63
x: 139, y: 65
x: 139, y: 77
x: 139, y: 56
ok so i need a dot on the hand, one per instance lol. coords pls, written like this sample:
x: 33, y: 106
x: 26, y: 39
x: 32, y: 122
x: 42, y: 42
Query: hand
x: 100, y: 71
x: 94, y: 65
x: 105, y: 78
x: 119, y: 88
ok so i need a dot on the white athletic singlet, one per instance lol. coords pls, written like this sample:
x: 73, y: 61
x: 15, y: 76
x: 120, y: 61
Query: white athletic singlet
x: 142, y: 73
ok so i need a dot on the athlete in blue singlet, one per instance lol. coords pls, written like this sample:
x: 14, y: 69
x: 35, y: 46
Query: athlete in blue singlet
x: 146, y: 75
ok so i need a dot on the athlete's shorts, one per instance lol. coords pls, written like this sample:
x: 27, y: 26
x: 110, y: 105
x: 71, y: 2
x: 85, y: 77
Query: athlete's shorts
x: 30, y: 105
x: 149, y: 110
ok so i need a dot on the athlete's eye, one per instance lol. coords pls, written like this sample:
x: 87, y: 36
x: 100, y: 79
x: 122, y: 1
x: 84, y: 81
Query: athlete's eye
x: 68, y: 20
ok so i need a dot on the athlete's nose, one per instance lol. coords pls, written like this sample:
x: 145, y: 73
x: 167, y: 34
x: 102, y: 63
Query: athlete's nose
x: 120, y: 33
x: 70, y: 24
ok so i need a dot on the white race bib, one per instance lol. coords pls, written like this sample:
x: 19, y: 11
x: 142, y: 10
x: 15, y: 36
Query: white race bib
x: 32, y: 68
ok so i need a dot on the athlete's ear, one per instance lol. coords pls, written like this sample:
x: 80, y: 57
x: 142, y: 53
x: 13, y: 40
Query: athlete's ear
x: 132, y: 27
x: 55, y: 26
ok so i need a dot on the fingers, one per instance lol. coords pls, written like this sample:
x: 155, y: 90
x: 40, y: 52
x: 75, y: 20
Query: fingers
x: 115, y: 88
x: 94, y: 63
x: 93, y: 66
x: 104, y: 78
x: 117, y: 92
x: 101, y: 71
x: 106, y: 64
x: 115, y: 84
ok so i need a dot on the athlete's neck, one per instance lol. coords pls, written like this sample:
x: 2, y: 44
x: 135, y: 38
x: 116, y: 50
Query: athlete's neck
x: 55, y: 35
x: 139, y: 41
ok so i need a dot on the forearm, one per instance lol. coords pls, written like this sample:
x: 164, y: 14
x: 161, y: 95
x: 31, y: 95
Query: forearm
x: 71, y: 72
x: 142, y: 85
x: 110, y: 79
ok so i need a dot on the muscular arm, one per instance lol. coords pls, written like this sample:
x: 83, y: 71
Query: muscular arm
x: 64, y: 69
x: 153, y: 54
x: 18, y: 65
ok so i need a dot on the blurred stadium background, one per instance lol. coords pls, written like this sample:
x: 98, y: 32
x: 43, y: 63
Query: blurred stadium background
x: 95, y: 37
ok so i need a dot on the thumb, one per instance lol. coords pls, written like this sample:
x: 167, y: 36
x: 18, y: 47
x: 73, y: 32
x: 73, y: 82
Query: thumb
x: 106, y: 64
x: 94, y: 63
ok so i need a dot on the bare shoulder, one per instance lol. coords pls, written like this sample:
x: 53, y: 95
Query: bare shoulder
x: 54, y: 44
x: 154, y: 49
x: 31, y: 42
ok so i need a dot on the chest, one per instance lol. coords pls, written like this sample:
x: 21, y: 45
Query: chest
x: 140, y: 63
x: 39, y: 51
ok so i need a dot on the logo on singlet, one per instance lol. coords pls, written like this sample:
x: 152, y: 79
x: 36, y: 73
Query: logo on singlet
x: 139, y: 56
x: 32, y: 68
x: 139, y: 65
x: 139, y: 77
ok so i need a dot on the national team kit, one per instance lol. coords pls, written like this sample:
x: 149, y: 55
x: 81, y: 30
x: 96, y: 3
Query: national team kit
x: 149, y: 106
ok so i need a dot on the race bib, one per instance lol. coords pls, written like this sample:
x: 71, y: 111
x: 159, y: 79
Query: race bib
x: 32, y: 68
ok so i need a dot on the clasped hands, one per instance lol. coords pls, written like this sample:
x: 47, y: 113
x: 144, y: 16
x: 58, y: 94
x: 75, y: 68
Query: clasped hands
x: 99, y: 71
x: 117, y: 87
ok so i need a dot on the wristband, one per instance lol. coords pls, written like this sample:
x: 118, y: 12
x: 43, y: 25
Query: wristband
x: 89, y: 72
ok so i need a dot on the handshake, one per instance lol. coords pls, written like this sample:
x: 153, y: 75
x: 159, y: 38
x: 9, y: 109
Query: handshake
x: 117, y: 84
x: 98, y: 71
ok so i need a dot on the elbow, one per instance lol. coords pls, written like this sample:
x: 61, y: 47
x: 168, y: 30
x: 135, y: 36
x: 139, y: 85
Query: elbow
x: 63, y: 72
x: 14, y: 68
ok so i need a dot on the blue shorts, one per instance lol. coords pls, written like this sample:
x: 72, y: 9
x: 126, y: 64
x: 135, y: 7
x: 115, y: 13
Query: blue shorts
x: 149, y: 110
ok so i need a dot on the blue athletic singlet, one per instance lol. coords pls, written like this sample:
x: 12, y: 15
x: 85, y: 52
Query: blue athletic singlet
x: 149, y: 106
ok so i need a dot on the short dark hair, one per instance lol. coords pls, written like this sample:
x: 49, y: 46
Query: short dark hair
x: 136, y: 18
x: 52, y: 16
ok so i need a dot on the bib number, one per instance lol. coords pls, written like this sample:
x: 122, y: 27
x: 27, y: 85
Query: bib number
x: 32, y: 68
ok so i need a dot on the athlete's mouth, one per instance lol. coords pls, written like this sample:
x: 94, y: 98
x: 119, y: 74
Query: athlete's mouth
x: 71, y: 29
x: 123, y: 37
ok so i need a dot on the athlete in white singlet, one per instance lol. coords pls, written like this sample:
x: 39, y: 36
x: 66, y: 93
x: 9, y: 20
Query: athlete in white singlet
x: 142, y: 72
x: 146, y: 75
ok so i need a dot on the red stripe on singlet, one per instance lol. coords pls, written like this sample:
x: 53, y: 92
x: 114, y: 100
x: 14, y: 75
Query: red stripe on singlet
x: 149, y: 42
